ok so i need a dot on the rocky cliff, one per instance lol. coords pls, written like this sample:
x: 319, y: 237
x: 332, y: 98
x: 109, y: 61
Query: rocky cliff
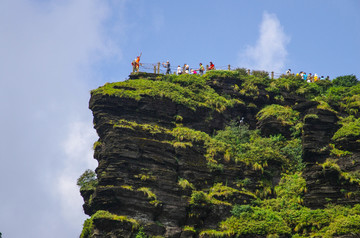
x: 190, y: 156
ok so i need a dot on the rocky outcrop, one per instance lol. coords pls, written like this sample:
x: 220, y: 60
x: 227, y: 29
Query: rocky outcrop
x: 141, y: 165
x: 326, y: 183
x: 134, y: 163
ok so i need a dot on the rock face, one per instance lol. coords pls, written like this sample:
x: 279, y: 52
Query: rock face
x: 133, y: 161
x: 140, y: 168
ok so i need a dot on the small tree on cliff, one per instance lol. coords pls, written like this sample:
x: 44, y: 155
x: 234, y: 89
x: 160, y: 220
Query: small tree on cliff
x: 87, y: 180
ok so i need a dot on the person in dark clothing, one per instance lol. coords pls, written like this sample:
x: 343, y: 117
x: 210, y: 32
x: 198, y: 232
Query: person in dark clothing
x: 167, y: 66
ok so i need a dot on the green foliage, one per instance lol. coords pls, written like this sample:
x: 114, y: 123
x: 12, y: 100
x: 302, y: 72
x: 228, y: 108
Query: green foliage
x: 331, y: 163
x: 147, y: 192
x: 145, y: 177
x: 311, y: 90
x: 87, y: 181
x: 294, y: 84
x: 285, y: 216
x: 214, y: 148
x: 188, y: 90
x: 238, y: 210
x: 249, y: 89
x: 150, y: 195
x: 291, y: 187
x: 153, y: 129
x: 141, y: 233
x: 221, y: 191
x: 284, y: 114
x: 221, y: 74
x: 218, y: 194
x: 260, y: 74
x: 255, y: 221
x: 88, y: 226
x: 242, y: 71
x: 349, y: 129
x: 313, y: 116
x: 96, y: 144
x: 324, y: 84
x: 185, y: 184
x: 101, y: 214
x: 343, y: 225
x: 351, y: 177
x: 249, y: 147
x: 178, y: 118
x: 344, y: 97
x: 337, y: 152
x: 345, y: 81
x: 259, y: 151
x: 199, y: 198
x: 334, y: 95
x: 292, y: 150
x: 234, y: 136
x: 189, y: 228
x: 288, y: 84
x: 127, y: 187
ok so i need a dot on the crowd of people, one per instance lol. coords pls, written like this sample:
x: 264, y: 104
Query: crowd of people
x: 310, y: 78
x: 186, y: 69
x: 180, y: 70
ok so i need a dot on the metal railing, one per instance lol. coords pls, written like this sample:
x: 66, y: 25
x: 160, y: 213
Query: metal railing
x: 158, y: 68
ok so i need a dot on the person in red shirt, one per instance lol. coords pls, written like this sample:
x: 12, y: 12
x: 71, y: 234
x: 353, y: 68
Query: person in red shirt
x: 212, y: 66
x: 137, y: 63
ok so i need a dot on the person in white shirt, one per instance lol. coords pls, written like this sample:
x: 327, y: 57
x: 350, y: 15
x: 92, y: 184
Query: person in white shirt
x: 179, y: 70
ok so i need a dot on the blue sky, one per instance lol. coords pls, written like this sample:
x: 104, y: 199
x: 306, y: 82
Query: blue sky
x: 53, y: 52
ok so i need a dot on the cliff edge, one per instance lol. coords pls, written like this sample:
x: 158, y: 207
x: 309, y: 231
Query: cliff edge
x: 222, y: 155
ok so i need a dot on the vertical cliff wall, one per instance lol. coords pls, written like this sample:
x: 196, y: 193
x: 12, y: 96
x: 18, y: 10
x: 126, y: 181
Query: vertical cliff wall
x: 164, y: 168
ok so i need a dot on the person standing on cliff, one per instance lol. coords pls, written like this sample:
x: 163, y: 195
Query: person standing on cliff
x: 167, y: 66
x: 305, y: 77
x: 212, y: 66
x: 133, y: 64
x: 187, y: 68
x: 179, y: 70
x: 137, y: 63
x: 201, y: 69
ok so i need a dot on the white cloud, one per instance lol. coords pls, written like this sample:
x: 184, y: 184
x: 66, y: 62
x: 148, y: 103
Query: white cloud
x: 48, y: 50
x: 77, y: 146
x: 269, y: 53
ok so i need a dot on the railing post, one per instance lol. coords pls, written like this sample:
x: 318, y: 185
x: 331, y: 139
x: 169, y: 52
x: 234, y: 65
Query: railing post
x: 229, y: 68
x: 158, y: 67
x: 272, y: 74
x: 248, y: 71
x: 154, y: 69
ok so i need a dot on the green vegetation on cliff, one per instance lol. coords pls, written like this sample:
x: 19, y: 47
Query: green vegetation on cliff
x: 88, y: 227
x: 189, y: 90
x: 350, y: 129
x: 285, y: 215
x: 87, y: 181
x: 263, y: 194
